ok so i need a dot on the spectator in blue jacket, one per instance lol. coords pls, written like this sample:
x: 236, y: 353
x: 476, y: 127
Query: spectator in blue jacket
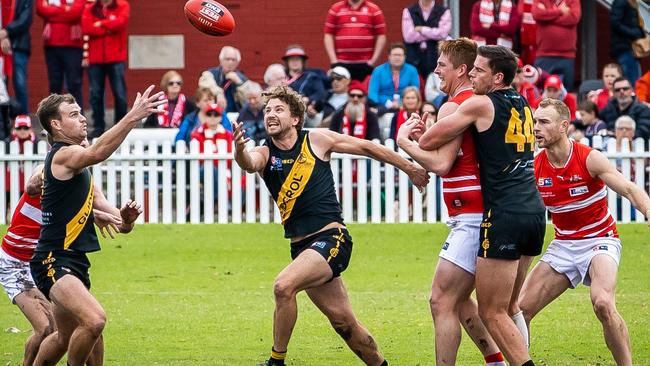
x: 15, y: 40
x: 389, y: 79
x: 625, y: 29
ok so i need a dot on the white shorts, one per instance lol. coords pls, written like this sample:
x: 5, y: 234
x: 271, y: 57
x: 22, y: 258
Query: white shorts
x: 15, y: 275
x: 572, y: 257
x: 461, y: 246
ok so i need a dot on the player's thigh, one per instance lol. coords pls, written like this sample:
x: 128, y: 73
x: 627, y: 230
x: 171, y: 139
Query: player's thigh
x: 542, y: 286
x: 451, y: 282
x: 36, y: 309
x: 332, y: 300
x: 603, y: 271
x: 70, y: 295
x: 308, y: 270
x: 495, y: 280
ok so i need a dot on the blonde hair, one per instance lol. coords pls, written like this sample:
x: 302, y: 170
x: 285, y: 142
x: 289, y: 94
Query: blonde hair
x: 559, y: 106
x: 169, y: 75
x: 461, y: 51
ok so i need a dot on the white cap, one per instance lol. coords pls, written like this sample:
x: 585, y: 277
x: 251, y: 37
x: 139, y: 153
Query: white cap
x: 340, y: 71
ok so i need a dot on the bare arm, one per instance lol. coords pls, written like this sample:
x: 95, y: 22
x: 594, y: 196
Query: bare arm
x: 328, y: 41
x: 324, y: 142
x: 438, y: 161
x: 380, y: 43
x: 252, y: 161
x: 600, y: 167
x: 101, y: 203
x: 452, y: 126
x: 35, y: 183
x: 73, y: 159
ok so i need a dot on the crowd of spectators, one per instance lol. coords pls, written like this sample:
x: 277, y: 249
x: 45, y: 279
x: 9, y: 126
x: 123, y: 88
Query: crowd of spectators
x: 369, y: 89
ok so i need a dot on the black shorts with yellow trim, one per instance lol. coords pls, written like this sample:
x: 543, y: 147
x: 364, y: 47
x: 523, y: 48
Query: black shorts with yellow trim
x: 509, y: 236
x: 49, y: 267
x: 335, y: 245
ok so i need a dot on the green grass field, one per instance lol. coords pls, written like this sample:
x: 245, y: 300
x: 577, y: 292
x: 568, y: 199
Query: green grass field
x: 202, y: 295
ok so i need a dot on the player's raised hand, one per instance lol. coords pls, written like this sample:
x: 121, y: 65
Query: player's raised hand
x: 145, y: 104
x: 239, y: 136
x: 107, y: 223
x: 129, y: 213
x: 418, y: 125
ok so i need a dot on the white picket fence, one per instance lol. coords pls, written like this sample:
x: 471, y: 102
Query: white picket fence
x: 173, y: 190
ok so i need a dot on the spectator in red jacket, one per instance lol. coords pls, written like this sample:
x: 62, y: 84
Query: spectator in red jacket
x: 611, y: 72
x: 557, y: 33
x: 494, y: 22
x: 527, y: 32
x: 63, y: 44
x: 213, y: 130
x: 554, y: 89
x: 105, y: 22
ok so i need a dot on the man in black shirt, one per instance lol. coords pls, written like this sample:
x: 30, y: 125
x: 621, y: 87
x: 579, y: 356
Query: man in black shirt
x: 60, y: 265
x: 295, y: 167
x: 513, y: 225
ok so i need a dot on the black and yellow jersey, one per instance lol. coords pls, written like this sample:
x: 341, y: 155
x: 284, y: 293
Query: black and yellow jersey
x: 68, y: 222
x: 505, y: 154
x: 302, y: 186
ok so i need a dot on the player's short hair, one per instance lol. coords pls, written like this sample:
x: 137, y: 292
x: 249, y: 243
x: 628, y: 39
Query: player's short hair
x: 48, y: 109
x: 501, y: 59
x: 461, y: 51
x: 559, y: 106
x: 291, y: 98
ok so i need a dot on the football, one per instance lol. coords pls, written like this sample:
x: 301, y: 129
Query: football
x: 209, y: 17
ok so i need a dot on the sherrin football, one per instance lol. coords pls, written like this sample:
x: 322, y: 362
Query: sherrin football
x: 209, y: 17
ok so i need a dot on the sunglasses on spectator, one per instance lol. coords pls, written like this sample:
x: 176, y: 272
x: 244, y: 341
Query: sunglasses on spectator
x: 623, y: 88
x: 355, y: 95
x: 22, y: 128
x: 171, y: 83
x: 212, y: 114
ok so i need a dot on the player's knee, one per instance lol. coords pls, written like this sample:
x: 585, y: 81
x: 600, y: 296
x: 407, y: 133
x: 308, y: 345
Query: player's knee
x: 344, y: 327
x: 488, y: 316
x: 96, y: 324
x: 438, y: 302
x: 604, y: 306
x: 283, y: 290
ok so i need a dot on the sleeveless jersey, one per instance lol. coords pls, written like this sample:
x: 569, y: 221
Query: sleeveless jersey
x: 577, y: 201
x: 505, y: 154
x: 68, y: 222
x: 24, y: 229
x: 461, y: 187
x: 302, y: 186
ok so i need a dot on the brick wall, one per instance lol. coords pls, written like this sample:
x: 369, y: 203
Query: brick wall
x: 264, y: 29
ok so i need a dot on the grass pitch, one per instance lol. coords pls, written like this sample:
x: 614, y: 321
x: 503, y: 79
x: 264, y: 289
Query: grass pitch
x: 202, y: 295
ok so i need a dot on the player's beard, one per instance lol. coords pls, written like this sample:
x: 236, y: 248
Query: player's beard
x: 355, y: 111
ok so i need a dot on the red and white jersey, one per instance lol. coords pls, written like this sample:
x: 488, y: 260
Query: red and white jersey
x: 577, y: 201
x: 461, y: 187
x: 25, y: 228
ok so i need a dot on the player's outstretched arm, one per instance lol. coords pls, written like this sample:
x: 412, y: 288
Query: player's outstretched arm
x: 252, y: 161
x: 438, y: 161
x: 326, y: 141
x: 76, y: 158
x: 599, y: 166
x: 448, y: 128
x: 34, y: 185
